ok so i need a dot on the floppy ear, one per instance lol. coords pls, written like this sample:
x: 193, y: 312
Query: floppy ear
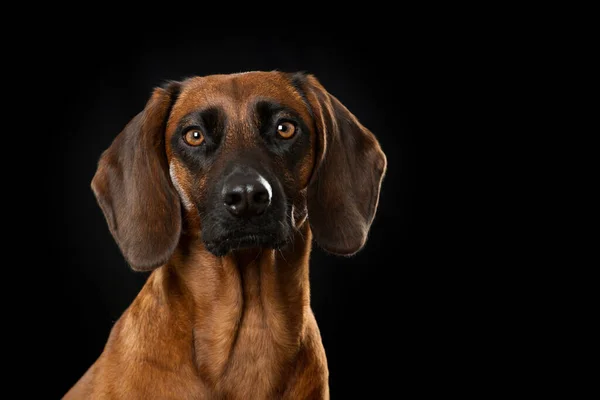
x: 344, y: 189
x: 133, y: 188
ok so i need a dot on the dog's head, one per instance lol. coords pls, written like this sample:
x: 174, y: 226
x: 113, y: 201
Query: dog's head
x: 245, y: 159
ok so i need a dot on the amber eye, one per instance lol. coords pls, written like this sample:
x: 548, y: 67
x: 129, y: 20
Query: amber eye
x: 194, y: 137
x: 286, y: 130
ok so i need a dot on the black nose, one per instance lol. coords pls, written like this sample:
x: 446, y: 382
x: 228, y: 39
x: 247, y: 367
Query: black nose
x: 246, y: 194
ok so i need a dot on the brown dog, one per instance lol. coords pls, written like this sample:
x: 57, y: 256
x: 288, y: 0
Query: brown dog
x: 219, y: 186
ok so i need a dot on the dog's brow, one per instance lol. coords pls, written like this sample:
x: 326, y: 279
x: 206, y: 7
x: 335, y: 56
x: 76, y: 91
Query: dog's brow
x: 211, y: 119
x: 266, y: 109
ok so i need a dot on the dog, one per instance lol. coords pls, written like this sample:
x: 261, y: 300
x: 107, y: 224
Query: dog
x: 219, y: 187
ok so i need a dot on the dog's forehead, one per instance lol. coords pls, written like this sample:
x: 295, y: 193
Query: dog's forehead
x: 234, y: 93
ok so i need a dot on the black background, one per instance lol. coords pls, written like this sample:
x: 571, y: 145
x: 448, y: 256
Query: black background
x: 389, y: 316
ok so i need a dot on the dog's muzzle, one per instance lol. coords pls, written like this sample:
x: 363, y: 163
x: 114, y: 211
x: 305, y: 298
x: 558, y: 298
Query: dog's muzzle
x: 250, y: 213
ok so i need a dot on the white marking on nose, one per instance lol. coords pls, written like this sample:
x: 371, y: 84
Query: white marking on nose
x: 187, y: 203
x: 266, y: 185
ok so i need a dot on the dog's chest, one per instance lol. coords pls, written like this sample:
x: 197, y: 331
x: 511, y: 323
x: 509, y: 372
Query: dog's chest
x: 258, y: 360
x: 247, y: 342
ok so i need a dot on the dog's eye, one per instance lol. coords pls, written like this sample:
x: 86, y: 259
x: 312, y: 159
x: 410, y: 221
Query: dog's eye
x: 194, y: 137
x: 286, y: 130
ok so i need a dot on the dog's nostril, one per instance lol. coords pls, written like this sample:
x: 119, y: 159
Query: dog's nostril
x: 261, y: 197
x: 232, y: 198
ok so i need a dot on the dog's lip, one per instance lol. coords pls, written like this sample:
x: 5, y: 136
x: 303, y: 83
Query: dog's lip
x: 243, y: 237
x: 245, y: 240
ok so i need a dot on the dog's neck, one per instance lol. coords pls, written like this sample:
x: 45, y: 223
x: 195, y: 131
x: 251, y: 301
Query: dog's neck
x: 249, y: 306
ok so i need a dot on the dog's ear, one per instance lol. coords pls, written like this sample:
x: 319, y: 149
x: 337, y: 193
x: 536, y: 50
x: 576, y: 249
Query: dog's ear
x: 133, y: 188
x: 344, y: 189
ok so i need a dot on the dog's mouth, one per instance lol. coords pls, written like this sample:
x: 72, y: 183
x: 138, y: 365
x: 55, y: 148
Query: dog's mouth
x: 241, y: 241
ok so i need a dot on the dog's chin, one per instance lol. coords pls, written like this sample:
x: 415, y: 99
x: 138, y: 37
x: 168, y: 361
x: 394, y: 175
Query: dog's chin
x: 227, y: 244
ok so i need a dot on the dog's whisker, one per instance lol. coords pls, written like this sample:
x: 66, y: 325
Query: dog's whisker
x: 258, y: 254
x: 282, y: 256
